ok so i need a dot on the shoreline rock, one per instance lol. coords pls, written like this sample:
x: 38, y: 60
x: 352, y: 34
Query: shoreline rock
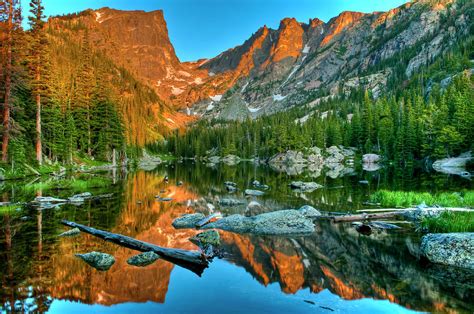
x: 452, y: 249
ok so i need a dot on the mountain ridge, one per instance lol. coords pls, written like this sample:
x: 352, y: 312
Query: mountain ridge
x: 277, y: 68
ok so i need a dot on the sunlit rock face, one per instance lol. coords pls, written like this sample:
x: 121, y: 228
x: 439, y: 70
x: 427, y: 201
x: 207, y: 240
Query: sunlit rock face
x: 274, y: 68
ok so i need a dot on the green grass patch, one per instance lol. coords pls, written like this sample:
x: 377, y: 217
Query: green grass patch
x: 9, y: 208
x: 409, y: 199
x: 76, y: 184
x: 450, y: 222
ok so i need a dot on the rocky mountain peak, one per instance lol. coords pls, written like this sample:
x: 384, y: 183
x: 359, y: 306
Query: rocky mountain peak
x: 338, y: 24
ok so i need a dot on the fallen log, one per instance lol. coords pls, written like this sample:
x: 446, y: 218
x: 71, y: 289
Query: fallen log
x: 362, y: 217
x: 192, y: 260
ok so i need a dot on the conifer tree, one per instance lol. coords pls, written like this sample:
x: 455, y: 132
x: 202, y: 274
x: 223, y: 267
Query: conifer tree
x: 37, y: 61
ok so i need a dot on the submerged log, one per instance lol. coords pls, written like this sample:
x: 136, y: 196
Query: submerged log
x: 452, y: 209
x: 192, y: 260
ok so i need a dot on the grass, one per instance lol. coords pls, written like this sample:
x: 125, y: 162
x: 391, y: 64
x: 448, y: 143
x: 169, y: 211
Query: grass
x: 9, y: 208
x: 80, y: 184
x: 408, y: 199
x: 450, y: 222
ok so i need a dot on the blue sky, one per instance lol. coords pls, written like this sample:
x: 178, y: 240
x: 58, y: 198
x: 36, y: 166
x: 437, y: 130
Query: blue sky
x: 205, y: 28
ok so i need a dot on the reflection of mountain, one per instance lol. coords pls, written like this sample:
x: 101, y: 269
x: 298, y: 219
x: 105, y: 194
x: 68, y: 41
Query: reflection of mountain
x: 334, y: 258
x: 143, y: 218
x: 351, y: 266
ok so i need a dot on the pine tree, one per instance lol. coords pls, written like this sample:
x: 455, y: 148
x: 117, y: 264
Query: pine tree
x: 37, y: 60
x: 10, y: 11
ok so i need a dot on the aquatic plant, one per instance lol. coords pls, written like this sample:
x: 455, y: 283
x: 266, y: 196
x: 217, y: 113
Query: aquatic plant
x: 408, y: 199
x: 450, y: 222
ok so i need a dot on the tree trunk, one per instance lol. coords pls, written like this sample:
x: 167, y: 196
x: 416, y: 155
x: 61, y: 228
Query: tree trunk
x: 192, y: 260
x: 8, y: 80
x: 39, y: 155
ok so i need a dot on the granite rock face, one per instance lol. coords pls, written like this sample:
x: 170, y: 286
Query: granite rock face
x: 453, y: 249
x: 281, y: 222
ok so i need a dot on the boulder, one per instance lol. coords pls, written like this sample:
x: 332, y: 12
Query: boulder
x: 334, y: 156
x: 206, y: 238
x: 281, y: 222
x: 305, y: 186
x: 309, y: 211
x: 187, y: 221
x: 143, y: 259
x: 371, y: 158
x: 230, y: 202
x: 231, y: 160
x: 254, y: 192
x: 98, y: 260
x: 454, y: 165
x: 148, y: 162
x: 214, y: 159
x: 290, y: 158
x: 70, y: 233
x: 80, y: 198
x: 453, y: 249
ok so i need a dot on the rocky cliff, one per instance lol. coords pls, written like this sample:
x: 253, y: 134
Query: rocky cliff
x: 278, y: 68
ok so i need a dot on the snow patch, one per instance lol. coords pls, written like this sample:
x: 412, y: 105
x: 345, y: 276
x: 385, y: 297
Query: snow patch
x: 306, y: 49
x: 244, y: 87
x: 176, y: 90
x: 278, y: 97
x: 203, y: 63
x: 170, y: 120
x: 322, y: 30
x: 253, y: 110
x: 212, y: 73
x: 198, y: 81
x: 210, y: 107
x: 216, y: 98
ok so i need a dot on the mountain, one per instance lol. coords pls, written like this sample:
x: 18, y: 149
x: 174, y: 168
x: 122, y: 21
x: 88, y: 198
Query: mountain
x: 296, y: 64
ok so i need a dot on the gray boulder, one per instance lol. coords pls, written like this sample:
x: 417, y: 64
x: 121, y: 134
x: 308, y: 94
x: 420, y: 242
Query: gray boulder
x: 187, y: 221
x: 230, y: 202
x: 305, y: 186
x: 370, y: 158
x: 206, y: 238
x: 254, y: 192
x: 143, y: 259
x: 231, y: 160
x: 289, y: 158
x: 98, y: 260
x: 453, y: 249
x: 282, y: 222
x: 309, y: 211
x: 70, y: 233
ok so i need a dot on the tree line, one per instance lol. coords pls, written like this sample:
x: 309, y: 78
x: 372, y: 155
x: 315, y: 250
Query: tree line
x: 43, y: 115
x: 418, y: 120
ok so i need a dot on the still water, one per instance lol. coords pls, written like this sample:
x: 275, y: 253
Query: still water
x: 333, y: 270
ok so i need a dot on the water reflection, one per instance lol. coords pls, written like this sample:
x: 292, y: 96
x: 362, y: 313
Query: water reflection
x: 40, y: 270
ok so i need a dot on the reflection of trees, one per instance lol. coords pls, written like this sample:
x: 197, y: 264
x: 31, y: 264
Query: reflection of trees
x: 353, y: 266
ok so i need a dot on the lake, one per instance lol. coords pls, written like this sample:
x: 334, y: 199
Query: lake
x: 333, y: 270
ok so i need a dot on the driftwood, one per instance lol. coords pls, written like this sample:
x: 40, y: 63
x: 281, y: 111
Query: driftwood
x: 192, y: 260
x: 362, y: 217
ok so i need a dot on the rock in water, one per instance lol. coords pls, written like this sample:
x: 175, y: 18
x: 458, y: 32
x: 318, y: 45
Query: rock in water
x: 254, y: 192
x: 305, y: 186
x: 281, y: 222
x: 230, y: 202
x: 70, y: 233
x: 98, y: 260
x: 187, y: 221
x: 309, y: 211
x: 143, y: 259
x: 454, y: 249
x: 203, y: 239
